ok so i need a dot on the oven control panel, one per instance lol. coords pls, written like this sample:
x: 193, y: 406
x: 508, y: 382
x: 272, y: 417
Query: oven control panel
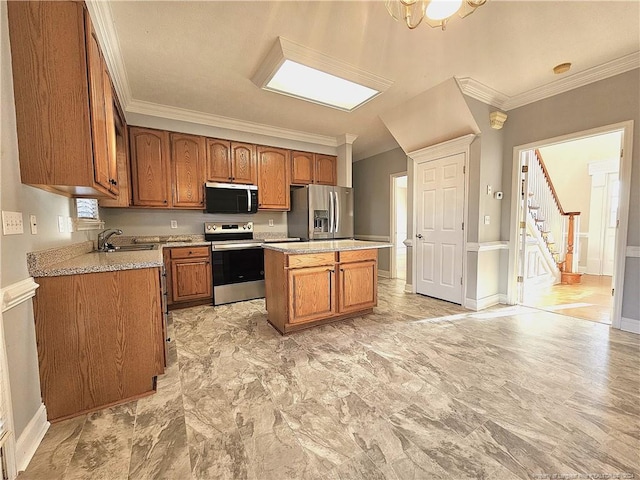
x: 211, y: 228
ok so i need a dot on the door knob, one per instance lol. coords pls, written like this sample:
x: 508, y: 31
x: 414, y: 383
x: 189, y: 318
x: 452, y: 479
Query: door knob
x: 419, y: 235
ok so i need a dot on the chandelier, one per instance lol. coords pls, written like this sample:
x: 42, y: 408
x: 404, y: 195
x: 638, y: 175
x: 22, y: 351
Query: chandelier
x: 436, y: 13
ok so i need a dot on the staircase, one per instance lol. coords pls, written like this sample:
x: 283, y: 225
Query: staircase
x: 551, y: 231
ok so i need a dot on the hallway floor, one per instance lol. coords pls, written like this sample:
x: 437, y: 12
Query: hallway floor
x: 419, y: 389
x: 589, y: 300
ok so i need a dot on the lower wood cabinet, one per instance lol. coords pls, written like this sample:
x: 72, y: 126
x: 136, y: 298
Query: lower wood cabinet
x: 99, y: 339
x: 189, y: 277
x: 305, y: 289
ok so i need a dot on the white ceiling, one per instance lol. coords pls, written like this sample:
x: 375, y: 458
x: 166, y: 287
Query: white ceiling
x: 201, y: 56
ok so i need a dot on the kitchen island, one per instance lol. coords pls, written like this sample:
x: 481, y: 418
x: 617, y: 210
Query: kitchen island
x: 311, y: 283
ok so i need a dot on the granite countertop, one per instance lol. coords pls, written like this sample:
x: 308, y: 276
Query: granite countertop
x: 320, y: 246
x: 81, y: 258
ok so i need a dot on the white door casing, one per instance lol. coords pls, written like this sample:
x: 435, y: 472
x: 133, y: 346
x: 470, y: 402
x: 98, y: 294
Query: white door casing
x: 439, y: 238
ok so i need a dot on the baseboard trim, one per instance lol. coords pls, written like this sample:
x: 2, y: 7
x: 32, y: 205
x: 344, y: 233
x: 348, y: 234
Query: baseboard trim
x: 630, y: 325
x: 384, y: 273
x: 482, y: 303
x: 408, y: 288
x: 31, y: 437
x: 503, y: 299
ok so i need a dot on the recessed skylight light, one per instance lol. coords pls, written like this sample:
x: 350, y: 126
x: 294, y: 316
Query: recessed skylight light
x: 310, y: 84
x: 297, y: 71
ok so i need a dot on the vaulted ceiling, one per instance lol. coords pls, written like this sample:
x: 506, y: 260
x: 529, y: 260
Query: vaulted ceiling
x: 201, y: 56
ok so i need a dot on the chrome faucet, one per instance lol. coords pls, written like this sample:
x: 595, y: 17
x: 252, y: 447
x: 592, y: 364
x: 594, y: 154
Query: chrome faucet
x: 104, y: 236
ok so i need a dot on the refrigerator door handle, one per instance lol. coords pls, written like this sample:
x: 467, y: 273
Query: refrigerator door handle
x: 332, y: 212
x: 336, y: 205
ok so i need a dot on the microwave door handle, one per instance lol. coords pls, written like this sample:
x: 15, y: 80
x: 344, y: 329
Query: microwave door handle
x: 331, y: 212
x: 248, y: 200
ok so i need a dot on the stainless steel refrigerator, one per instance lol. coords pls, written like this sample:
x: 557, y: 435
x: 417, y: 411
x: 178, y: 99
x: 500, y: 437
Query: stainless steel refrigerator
x: 321, y: 212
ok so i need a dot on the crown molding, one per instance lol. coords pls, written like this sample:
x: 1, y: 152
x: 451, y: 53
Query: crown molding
x: 347, y: 138
x: 474, y: 89
x: 488, y: 95
x: 580, y: 79
x: 201, y: 118
x: 102, y: 18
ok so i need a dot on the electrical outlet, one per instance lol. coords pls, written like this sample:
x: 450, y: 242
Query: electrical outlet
x: 61, y: 224
x: 70, y: 224
x: 12, y: 223
x: 487, y: 220
x: 174, y: 224
x: 271, y: 222
x: 34, y: 224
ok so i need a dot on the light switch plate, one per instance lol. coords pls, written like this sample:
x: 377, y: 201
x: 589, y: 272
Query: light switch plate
x: 487, y: 220
x: 12, y: 223
x: 34, y: 224
x: 70, y: 224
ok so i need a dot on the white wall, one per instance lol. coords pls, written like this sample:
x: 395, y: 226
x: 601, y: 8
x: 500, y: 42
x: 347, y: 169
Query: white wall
x: 18, y: 322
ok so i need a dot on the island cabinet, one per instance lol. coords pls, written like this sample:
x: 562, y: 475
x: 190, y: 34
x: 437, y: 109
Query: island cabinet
x: 231, y: 162
x: 309, y: 168
x: 63, y: 100
x: 99, y: 338
x: 307, y: 289
x: 273, y: 178
x: 189, y: 276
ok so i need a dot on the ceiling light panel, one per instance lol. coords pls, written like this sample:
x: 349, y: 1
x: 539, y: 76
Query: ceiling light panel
x: 297, y: 71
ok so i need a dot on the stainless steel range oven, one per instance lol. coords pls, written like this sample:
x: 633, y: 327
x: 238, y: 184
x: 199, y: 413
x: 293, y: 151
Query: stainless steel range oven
x: 237, y: 263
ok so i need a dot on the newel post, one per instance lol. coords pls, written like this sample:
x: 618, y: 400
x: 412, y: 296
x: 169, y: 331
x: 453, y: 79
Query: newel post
x: 568, y: 275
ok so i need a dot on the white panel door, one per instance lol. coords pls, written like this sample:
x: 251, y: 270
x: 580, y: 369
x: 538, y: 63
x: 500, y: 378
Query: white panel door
x: 439, y: 235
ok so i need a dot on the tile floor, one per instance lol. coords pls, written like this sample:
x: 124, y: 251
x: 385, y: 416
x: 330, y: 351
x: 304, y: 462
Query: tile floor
x: 420, y: 389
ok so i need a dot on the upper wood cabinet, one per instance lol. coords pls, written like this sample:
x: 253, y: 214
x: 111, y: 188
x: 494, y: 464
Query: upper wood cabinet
x: 121, y: 147
x: 150, y: 177
x: 325, y: 169
x: 302, y: 164
x: 187, y: 164
x: 309, y: 168
x: 231, y: 162
x: 273, y: 178
x: 59, y: 90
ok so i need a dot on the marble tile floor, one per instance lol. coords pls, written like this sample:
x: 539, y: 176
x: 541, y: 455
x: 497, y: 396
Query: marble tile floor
x: 420, y: 389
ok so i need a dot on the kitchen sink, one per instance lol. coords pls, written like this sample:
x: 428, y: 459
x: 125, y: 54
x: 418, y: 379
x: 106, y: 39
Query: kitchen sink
x: 133, y: 248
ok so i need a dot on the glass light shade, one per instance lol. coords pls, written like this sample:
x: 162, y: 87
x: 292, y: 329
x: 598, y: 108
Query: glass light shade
x: 442, y: 9
x: 298, y: 80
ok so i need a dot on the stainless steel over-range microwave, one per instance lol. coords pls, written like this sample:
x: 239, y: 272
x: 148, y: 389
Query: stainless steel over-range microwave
x: 230, y: 198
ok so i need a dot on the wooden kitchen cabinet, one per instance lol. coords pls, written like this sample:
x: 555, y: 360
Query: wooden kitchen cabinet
x: 273, y: 178
x: 189, y: 276
x: 303, y: 290
x: 307, y: 168
x: 120, y: 145
x: 150, y: 177
x: 187, y: 167
x: 325, y: 169
x: 231, y: 162
x: 99, y: 339
x: 61, y: 109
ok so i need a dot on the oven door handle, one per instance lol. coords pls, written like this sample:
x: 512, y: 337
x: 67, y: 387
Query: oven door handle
x: 236, y: 246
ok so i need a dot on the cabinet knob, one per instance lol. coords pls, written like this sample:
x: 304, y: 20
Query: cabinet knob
x: 164, y: 201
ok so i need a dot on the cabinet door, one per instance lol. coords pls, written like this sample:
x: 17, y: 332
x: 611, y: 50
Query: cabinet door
x: 302, y: 165
x: 218, y: 160
x: 122, y: 162
x: 97, y: 108
x: 311, y: 294
x: 149, y: 167
x: 112, y: 150
x: 191, y: 279
x: 243, y: 163
x: 325, y: 170
x: 187, y: 161
x: 273, y: 178
x: 358, y: 286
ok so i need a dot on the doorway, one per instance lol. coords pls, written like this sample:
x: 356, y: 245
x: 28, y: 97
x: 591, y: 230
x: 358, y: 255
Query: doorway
x: 398, y: 227
x: 588, y: 174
